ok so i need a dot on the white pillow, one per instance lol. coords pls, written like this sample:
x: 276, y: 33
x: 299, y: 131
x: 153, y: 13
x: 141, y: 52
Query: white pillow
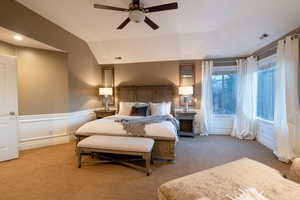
x: 157, y: 109
x: 160, y: 108
x: 125, y: 108
x: 168, y: 107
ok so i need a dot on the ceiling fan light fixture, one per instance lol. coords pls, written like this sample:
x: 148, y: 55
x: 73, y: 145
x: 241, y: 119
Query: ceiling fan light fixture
x: 137, y: 16
x: 137, y: 12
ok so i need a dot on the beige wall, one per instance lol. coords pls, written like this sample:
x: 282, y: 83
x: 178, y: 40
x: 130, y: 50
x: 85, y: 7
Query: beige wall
x: 7, y: 49
x: 83, y: 71
x: 42, y: 79
x: 155, y: 73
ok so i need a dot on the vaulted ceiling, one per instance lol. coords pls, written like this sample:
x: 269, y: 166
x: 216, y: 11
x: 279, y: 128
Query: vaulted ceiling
x: 198, y: 29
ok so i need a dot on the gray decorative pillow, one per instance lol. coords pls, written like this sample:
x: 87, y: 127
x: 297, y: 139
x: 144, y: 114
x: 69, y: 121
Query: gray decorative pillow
x: 139, y: 111
x: 141, y: 104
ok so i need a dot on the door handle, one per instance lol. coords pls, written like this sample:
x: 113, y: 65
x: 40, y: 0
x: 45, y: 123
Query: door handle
x: 12, y: 113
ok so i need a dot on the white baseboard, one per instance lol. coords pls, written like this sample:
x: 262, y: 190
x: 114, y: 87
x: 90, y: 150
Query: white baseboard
x: 44, y: 141
x: 50, y: 129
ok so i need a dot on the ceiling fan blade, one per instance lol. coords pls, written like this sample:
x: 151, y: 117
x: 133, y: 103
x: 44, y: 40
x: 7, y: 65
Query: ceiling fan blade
x: 151, y: 23
x: 99, y: 6
x: 124, y: 24
x: 169, y: 6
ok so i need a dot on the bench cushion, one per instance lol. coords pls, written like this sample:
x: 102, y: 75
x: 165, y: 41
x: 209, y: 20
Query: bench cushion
x: 132, y: 144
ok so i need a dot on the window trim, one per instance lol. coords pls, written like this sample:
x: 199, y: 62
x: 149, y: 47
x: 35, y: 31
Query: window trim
x: 265, y: 69
x: 224, y: 115
x: 264, y: 120
x: 267, y: 63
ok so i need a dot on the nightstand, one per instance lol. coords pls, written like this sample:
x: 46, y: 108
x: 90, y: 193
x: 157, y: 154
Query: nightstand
x: 186, y: 123
x: 102, y: 113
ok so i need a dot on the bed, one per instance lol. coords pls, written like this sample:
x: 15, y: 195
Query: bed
x: 164, y: 134
x: 216, y: 183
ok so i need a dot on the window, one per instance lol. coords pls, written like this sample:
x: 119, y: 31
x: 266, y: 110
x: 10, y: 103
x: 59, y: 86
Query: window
x: 187, y: 78
x: 224, y: 92
x: 108, y: 80
x: 265, y: 94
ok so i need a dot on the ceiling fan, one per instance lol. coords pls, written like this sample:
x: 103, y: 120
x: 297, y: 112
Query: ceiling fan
x: 137, y: 13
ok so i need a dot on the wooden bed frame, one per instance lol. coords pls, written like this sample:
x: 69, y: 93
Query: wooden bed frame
x: 164, y: 148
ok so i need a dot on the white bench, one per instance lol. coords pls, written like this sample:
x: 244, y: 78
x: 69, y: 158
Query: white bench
x: 117, y: 145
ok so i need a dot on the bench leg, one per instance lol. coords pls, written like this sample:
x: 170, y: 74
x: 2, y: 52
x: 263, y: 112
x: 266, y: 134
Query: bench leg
x: 79, y: 157
x: 147, y: 158
x: 76, y: 142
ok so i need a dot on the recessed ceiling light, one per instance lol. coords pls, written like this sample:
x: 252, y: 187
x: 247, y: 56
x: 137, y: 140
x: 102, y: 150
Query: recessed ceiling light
x: 18, y: 37
x: 264, y: 36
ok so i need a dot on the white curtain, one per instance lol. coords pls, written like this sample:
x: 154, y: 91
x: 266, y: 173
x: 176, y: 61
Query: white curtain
x: 286, y: 112
x: 244, y: 126
x: 206, y: 97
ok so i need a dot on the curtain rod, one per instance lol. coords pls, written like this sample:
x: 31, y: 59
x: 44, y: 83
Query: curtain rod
x: 273, y: 46
x: 269, y: 48
x: 218, y: 60
x: 228, y: 61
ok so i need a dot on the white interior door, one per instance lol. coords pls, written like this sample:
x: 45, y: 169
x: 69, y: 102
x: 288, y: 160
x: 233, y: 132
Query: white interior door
x: 8, y: 108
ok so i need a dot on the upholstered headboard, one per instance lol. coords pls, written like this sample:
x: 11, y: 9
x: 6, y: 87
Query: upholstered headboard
x: 154, y: 94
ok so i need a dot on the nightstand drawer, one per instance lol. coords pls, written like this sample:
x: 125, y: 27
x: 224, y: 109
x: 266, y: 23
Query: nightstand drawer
x: 186, y: 122
x: 102, y: 113
x: 185, y: 115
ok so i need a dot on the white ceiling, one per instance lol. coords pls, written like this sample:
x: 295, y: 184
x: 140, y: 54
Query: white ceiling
x: 198, y: 29
x: 8, y: 36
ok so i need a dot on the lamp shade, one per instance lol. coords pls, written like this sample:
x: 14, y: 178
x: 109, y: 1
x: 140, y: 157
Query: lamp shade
x: 105, y: 91
x: 186, y: 91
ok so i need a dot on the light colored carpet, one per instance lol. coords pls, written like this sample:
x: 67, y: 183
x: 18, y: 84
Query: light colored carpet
x: 51, y: 173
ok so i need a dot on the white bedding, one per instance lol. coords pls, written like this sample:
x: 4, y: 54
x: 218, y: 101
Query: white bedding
x: 108, y: 126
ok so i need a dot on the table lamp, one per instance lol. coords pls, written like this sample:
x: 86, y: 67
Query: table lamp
x: 187, y: 92
x: 106, y: 92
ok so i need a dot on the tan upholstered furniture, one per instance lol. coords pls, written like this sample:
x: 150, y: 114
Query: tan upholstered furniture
x: 117, y: 145
x: 216, y: 183
x: 294, y: 173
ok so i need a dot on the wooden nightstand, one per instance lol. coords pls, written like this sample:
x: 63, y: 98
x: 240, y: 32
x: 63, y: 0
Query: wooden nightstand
x: 186, y: 123
x: 102, y: 113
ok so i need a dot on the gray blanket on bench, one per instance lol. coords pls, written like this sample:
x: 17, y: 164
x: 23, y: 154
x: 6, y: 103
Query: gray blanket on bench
x: 136, y: 127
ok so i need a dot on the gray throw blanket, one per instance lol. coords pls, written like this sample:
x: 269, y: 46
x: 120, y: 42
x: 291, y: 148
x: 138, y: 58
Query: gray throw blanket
x: 136, y: 127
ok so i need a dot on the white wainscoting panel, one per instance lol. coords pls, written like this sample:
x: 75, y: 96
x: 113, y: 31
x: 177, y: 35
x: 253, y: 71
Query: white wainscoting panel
x: 50, y: 129
x: 222, y: 124
x: 77, y: 119
x: 266, y: 134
